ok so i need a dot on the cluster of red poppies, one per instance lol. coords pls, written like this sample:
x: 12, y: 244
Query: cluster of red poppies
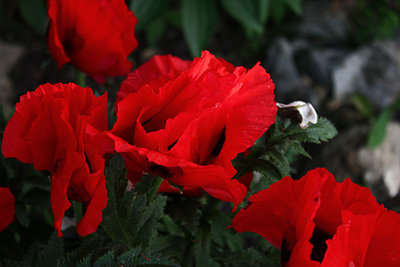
x: 184, y: 121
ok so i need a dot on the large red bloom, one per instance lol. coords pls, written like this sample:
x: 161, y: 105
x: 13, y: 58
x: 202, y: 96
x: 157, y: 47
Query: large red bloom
x: 96, y: 36
x: 186, y: 121
x: 54, y: 129
x: 316, y: 221
x: 7, y: 207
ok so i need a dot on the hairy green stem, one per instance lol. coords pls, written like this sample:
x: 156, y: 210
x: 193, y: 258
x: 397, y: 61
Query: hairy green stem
x: 80, y: 78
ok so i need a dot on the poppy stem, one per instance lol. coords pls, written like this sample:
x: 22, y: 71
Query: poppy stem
x: 156, y: 186
x: 80, y: 78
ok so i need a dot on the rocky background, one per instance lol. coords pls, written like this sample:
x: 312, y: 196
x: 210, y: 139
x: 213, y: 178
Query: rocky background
x: 341, y: 56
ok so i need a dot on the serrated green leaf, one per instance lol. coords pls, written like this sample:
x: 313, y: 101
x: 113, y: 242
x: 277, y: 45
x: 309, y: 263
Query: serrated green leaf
x: 246, y: 13
x: 52, y: 253
x: 268, y: 169
x: 378, y: 129
x: 131, y: 217
x: 198, y: 22
x: 278, y: 159
x: 106, y: 260
x: 315, y: 133
x: 296, y: 146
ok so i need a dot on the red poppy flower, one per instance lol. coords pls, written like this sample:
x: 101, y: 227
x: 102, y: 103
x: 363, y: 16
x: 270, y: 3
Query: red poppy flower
x: 316, y: 221
x: 186, y: 121
x: 95, y: 36
x: 54, y: 129
x: 7, y: 207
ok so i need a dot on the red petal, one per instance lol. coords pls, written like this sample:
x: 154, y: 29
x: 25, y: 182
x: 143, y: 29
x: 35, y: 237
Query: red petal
x: 95, y: 36
x: 384, y: 246
x: 7, y: 207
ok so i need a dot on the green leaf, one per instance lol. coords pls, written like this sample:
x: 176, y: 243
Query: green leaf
x: 278, y: 159
x: 268, y: 169
x: 52, y: 253
x: 263, y: 11
x: 198, y: 22
x: 315, y: 133
x: 278, y: 10
x: 296, y: 146
x: 246, y: 13
x: 131, y: 218
x: 202, y: 246
x: 378, y: 130
x: 155, y: 30
x: 363, y: 105
x: 294, y: 5
x: 146, y: 11
x: 34, y: 13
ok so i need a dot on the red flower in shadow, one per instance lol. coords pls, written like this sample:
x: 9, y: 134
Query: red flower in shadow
x: 7, y: 207
x: 316, y: 221
x: 54, y: 128
x: 186, y: 121
x: 95, y: 36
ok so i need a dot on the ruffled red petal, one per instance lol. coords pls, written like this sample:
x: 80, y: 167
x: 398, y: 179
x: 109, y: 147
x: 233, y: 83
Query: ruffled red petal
x: 95, y: 36
x: 59, y: 128
x: 191, y: 120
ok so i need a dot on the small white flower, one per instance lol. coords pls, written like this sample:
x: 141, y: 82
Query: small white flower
x: 306, y: 110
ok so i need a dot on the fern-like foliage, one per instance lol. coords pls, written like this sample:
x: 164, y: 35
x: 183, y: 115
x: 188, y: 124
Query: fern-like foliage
x: 131, y: 217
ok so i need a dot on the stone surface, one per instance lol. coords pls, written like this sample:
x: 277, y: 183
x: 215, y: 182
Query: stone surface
x: 290, y: 85
x: 383, y: 163
x: 373, y: 71
x: 322, y: 23
x: 9, y: 54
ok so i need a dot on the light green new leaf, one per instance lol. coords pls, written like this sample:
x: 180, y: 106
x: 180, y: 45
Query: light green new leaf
x: 378, y: 130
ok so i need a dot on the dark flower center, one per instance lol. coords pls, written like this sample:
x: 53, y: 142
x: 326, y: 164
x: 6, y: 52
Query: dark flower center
x: 318, y: 240
x: 219, y: 145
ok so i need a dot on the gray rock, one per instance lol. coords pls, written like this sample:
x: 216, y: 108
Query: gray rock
x: 373, y: 71
x: 321, y: 23
x: 383, y: 163
x: 9, y: 54
x: 319, y: 64
x: 290, y: 85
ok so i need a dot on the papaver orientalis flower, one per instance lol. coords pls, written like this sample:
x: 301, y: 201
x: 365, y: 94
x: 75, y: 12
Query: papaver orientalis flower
x: 7, y: 207
x: 186, y: 121
x: 54, y: 128
x: 316, y: 221
x: 95, y: 36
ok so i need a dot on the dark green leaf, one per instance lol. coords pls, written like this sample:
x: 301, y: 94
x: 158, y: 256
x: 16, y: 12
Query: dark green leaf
x: 146, y: 11
x: 52, y: 253
x: 315, y: 133
x: 294, y: 5
x: 198, y: 22
x: 246, y: 13
x: 155, y: 30
x: 131, y: 217
x: 34, y: 13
